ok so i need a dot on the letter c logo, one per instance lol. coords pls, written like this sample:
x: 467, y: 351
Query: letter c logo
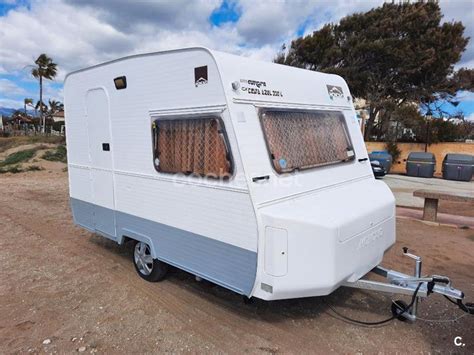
x: 458, y: 341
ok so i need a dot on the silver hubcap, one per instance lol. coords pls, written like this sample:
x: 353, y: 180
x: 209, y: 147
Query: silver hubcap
x: 143, y: 258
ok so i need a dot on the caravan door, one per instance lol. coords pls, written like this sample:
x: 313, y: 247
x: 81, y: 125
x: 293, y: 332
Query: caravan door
x: 101, y: 163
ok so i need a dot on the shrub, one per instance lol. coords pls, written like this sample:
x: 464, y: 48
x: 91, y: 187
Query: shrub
x: 60, y: 154
x: 393, y: 150
x: 15, y: 169
x: 18, y: 157
x: 11, y: 142
x: 34, y: 168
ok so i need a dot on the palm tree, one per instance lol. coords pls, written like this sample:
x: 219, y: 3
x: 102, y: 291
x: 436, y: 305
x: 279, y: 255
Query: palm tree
x: 55, y: 106
x: 41, y: 106
x: 44, y: 68
x: 28, y: 102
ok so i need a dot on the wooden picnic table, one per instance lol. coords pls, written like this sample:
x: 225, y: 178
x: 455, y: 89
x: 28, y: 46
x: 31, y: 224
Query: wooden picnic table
x: 432, y: 198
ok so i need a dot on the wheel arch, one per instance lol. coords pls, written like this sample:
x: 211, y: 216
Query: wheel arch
x: 129, y: 235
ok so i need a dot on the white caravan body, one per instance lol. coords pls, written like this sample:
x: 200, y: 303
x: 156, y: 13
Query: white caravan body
x: 262, y: 232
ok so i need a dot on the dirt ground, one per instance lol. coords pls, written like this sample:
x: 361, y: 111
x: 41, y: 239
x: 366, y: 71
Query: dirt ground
x: 456, y: 208
x: 76, y: 291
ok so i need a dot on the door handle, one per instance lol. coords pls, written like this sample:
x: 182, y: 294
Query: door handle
x: 261, y: 178
x: 106, y: 147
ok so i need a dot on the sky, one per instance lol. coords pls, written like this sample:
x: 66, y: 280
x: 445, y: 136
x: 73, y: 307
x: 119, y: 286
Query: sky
x: 81, y: 33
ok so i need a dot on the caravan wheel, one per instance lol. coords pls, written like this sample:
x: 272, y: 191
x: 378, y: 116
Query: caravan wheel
x: 148, y: 268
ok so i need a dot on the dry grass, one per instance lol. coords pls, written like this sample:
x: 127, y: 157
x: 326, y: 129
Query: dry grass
x: 13, y: 169
x: 11, y: 142
x: 60, y: 154
x: 18, y: 157
x: 19, y: 154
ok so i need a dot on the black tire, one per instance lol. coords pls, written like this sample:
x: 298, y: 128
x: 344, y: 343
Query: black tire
x: 397, y: 310
x: 149, y: 269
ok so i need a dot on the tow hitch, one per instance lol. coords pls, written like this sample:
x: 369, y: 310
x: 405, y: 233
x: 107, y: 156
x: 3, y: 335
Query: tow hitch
x: 415, y: 286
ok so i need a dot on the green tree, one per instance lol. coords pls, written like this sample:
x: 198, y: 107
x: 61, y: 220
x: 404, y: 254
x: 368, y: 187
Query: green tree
x: 55, y: 106
x: 391, y: 55
x: 41, y: 106
x: 44, y: 68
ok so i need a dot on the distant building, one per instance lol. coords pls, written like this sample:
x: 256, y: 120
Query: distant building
x: 455, y: 120
x: 58, y: 116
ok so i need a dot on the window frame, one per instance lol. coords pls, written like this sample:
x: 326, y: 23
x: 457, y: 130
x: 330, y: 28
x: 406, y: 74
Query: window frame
x: 263, y: 110
x: 184, y: 116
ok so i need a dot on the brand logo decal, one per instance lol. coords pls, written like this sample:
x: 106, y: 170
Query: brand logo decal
x: 257, y: 87
x: 335, y: 92
x: 200, y: 75
x: 370, y: 238
x: 253, y: 83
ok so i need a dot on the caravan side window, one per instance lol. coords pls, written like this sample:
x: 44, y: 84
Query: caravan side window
x: 305, y: 139
x: 192, y: 146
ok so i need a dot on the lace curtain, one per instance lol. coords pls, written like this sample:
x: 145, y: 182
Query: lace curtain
x: 191, y: 146
x: 301, y: 140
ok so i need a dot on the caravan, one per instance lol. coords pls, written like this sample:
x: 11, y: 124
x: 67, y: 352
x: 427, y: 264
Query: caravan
x: 251, y: 175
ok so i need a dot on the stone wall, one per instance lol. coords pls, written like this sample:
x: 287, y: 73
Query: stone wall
x: 438, y: 149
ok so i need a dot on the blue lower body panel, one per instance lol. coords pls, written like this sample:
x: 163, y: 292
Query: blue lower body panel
x: 224, y: 264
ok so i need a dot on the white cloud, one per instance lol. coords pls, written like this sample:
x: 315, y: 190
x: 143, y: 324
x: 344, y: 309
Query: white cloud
x: 333, y: 11
x: 470, y: 117
x: 267, y: 22
x: 80, y: 33
x: 9, y: 89
x: 73, y: 38
x: 274, y: 22
x: 10, y: 103
x: 461, y: 10
x: 52, y: 93
x: 177, y: 14
x: 465, y: 96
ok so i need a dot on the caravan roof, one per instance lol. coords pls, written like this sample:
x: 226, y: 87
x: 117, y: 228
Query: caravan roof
x: 304, y: 88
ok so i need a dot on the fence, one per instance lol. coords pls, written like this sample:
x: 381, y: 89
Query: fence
x: 439, y: 150
x: 10, y: 130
